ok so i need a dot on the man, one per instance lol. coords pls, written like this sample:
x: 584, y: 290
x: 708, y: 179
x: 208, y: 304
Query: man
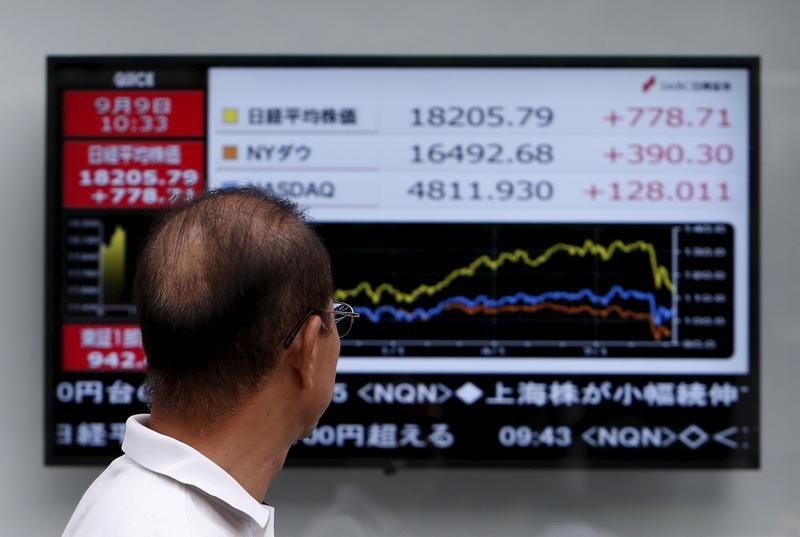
x: 233, y: 292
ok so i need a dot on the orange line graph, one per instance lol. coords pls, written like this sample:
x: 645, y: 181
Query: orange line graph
x: 658, y: 332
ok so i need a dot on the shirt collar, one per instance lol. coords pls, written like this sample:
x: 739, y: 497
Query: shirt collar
x: 169, y: 457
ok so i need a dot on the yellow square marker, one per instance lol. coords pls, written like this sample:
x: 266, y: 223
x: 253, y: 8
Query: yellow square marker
x: 229, y: 152
x: 230, y: 115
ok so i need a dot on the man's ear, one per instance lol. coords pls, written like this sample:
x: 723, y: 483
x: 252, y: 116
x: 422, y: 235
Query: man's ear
x: 303, y: 351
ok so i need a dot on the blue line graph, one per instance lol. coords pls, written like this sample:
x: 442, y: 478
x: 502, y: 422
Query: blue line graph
x: 659, y: 314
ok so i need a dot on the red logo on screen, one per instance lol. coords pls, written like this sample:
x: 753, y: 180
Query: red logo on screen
x: 648, y: 84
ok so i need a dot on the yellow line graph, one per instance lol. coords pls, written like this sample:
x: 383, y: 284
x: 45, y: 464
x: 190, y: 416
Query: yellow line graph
x: 661, y: 277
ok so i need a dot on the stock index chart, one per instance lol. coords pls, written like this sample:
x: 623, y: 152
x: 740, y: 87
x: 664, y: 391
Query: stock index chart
x: 536, y: 290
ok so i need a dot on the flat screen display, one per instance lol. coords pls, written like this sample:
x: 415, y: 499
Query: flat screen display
x: 555, y: 259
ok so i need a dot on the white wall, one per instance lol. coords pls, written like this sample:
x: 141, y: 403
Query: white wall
x: 35, y: 500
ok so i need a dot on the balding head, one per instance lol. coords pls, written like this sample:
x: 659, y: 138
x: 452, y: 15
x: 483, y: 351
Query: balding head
x: 219, y: 284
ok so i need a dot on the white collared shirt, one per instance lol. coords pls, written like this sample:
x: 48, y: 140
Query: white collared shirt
x: 163, y: 487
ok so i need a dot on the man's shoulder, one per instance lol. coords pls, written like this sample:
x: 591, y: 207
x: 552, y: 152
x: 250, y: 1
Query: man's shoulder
x: 126, y: 500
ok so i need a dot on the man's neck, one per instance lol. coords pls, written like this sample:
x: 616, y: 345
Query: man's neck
x: 248, y: 445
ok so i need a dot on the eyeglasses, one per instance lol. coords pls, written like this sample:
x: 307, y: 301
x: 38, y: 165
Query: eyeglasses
x: 343, y: 315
